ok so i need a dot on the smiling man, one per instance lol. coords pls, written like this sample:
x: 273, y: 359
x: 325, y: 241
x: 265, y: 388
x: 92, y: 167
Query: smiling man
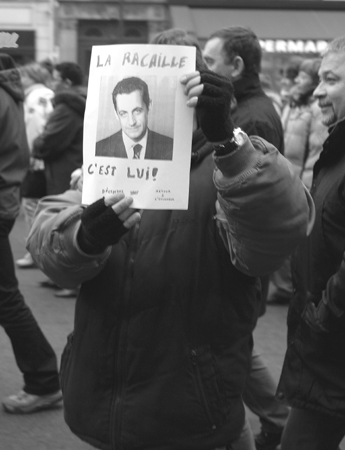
x: 313, y: 377
x: 135, y: 140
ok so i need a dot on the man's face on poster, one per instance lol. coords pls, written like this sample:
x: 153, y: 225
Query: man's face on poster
x: 133, y: 114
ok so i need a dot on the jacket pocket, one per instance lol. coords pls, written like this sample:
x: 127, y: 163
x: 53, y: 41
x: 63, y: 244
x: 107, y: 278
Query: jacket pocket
x: 65, y: 358
x: 209, y: 385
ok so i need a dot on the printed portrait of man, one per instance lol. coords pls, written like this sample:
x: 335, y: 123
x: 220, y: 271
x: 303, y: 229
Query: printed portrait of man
x: 134, y: 140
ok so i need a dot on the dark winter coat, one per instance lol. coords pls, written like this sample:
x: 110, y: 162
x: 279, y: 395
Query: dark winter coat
x: 60, y: 145
x: 163, y: 324
x: 313, y: 375
x: 14, y: 151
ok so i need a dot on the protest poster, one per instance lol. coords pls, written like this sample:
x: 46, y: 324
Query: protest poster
x: 137, y: 127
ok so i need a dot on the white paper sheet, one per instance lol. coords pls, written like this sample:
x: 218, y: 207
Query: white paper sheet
x: 153, y: 183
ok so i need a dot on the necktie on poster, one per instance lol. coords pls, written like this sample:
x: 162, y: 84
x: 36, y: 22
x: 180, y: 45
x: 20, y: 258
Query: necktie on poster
x: 136, y: 151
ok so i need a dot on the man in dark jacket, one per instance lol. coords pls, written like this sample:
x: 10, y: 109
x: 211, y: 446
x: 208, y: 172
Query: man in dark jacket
x: 235, y: 53
x: 60, y: 145
x: 313, y: 376
x: 132, y: 105
x: 34, y: 355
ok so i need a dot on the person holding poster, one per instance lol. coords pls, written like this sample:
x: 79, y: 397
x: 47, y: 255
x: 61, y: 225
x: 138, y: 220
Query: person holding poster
x: 169, y: 298
x: 132, y: 104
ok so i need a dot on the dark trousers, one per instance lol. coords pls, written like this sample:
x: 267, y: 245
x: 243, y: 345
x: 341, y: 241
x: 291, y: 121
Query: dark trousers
x: 34, y: 355
x: 259, y: 396
x: 311, y: 430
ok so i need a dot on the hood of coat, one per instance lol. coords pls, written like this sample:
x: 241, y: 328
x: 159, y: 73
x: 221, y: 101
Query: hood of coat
x: 74, y: 97
x: 10, y: 78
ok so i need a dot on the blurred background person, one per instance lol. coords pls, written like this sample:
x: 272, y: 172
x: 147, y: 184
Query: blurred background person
x: 304, y: 134
x: 271, y: 92
x: 60, y: 145
x: 36, y: 81
x: 34, y: 355
x: 288, y: 76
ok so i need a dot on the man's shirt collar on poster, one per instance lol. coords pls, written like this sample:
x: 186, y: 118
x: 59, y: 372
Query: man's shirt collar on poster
x: 129, y: 144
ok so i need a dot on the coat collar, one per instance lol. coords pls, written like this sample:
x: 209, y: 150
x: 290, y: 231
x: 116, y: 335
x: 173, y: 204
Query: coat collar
x: 333, y: 147
x: 246, y: 86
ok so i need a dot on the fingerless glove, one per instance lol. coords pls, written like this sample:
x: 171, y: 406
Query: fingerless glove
x: 100, y: 227
x: 213, y: 107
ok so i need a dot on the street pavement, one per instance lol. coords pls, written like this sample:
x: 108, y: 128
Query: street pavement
x: 47, y: 430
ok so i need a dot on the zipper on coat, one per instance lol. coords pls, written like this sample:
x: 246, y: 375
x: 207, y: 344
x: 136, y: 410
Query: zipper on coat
x: 116, y: 405
x: 200, y: 385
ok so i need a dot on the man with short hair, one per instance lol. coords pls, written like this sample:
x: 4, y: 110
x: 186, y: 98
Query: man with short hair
x: 235, y: 53
x: 132, y: 105
x: 313, y: 376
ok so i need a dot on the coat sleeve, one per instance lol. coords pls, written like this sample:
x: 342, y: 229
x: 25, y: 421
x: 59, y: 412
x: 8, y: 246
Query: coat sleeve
x: 264, y: 209
x: 52, y: 241
x: 334, y: 294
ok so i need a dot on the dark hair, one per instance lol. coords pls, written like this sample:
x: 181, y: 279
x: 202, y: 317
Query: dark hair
x: 129, y: 85
x: 311, y: 66
x: 291, y: 69
x: 7, y: 62
x: 177, y: 36
x: 48, y: 64
x: 70, y: 71
x: 36, y: 72
x: 243, y: 42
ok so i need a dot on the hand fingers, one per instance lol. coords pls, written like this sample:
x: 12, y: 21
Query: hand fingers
x: 189, y: 76
x: 122, y: 205
x: 113, y: 199
x: 133, y: 218
x: 193, y: 86
x: 195, y: 91
x: 193, y: 95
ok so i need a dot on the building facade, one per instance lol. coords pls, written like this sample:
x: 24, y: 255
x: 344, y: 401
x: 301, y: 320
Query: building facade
x: 67, y: 29
x: 27, y: 29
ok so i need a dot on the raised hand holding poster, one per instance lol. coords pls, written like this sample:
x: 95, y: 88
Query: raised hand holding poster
x: 137, y: 127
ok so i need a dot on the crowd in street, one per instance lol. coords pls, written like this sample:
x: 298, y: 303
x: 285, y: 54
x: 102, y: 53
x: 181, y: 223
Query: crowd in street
x: 162, y: 354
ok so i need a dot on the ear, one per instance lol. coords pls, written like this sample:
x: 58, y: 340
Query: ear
x: 238, y: 65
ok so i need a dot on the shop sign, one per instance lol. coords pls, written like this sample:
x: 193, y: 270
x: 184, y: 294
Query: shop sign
x: 292, y: 46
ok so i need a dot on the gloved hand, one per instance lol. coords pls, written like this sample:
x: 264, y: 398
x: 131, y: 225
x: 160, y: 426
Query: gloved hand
x: 213, y: 107
x: 100, y: 227
x: 316, y: 316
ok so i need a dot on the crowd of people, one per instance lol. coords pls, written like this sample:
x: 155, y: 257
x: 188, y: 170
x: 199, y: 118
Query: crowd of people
x: 162, y: 353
